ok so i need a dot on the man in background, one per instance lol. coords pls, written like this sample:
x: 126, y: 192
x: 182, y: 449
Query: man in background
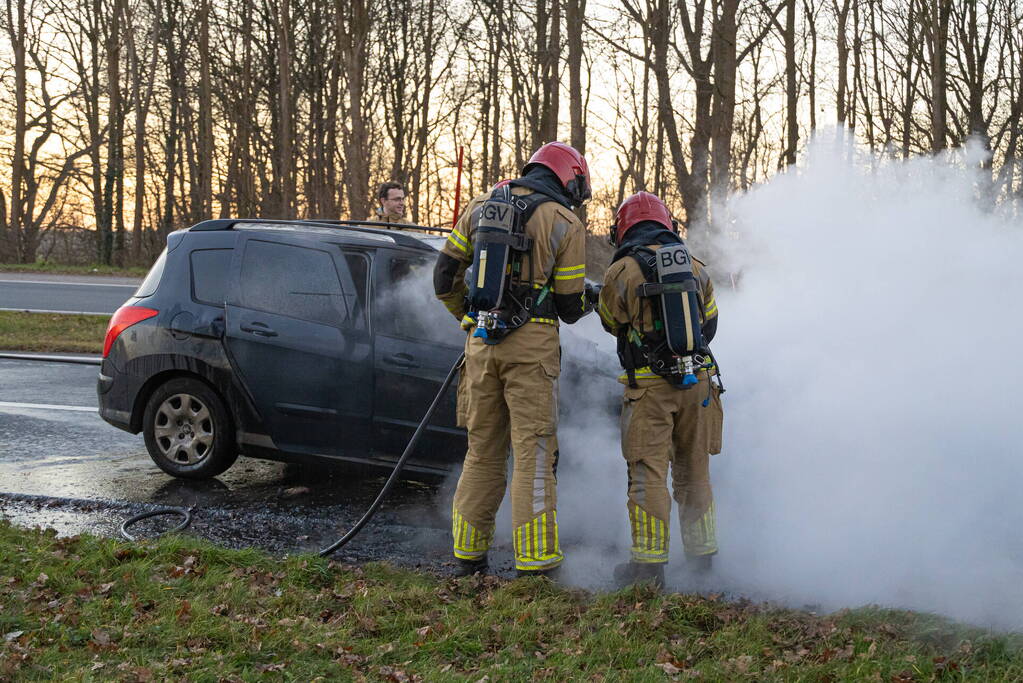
x: 392, y: 204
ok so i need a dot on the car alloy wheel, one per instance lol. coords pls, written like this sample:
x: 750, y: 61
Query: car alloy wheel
x: 183, y: 427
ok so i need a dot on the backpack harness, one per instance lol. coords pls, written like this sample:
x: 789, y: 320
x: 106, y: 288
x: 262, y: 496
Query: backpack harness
x: 500, y: 298
x: 674, y: 349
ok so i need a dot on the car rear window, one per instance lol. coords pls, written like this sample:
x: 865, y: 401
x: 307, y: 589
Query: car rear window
x: 210, y: 269
x: 152, y: 281
x: 293, y: 281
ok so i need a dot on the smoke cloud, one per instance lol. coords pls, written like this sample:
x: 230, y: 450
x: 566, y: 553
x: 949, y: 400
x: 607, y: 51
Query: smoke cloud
x: 872, y: 447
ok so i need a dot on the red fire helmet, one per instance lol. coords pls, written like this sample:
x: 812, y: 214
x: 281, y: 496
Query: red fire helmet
x: 500, y: 184
x: 640, y: 207
x: 568, y: 164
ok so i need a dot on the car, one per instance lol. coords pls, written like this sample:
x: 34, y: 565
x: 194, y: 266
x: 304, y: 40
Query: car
x: 299, y: 341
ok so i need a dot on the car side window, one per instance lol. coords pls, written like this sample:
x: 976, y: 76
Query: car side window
x: 294, y: 281
x: 358, y: 266
x: 152, y: 281
x: 406, y: 305
x: 210, y: 270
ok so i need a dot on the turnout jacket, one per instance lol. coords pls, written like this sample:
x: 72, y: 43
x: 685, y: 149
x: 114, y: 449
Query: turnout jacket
x: 620, y: 310
x: 558, y: 257
x: 379, y: 216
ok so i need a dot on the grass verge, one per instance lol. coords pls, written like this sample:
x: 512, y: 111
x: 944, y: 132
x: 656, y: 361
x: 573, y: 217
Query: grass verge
x: 64, y: 269
x: 88, y: 608
x: 20, y: 331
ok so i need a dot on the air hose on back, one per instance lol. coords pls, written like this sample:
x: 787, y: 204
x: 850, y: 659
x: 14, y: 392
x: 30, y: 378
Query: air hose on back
x: 354, y: 531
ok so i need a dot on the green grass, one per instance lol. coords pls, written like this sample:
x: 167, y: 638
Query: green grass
x: 64, y: 269
x: 21, y: 331
x: 87, y: 608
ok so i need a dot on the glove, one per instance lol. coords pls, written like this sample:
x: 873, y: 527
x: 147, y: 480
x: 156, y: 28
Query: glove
x: 591, y: 294
x: 468, y: 322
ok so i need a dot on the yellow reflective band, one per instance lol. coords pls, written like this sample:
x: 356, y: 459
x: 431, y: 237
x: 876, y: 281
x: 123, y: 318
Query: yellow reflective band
x: 710, y: 310
x: 534, y: 548
x: 571, y: 269
x: 641, y: 373
x: 649, y: 536
x: 569, y: 277
x: 470, y: 543
x: 699, y: 536
x: 545, y: 321
x: 458, y: 240
x: 605, y: 314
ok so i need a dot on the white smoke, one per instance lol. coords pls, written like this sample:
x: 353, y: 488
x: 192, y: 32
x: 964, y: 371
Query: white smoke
x: 873, y: 452
x: 872, y: 438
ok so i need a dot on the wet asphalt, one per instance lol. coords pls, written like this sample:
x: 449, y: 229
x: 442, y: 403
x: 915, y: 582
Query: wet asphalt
x: 62, y: 466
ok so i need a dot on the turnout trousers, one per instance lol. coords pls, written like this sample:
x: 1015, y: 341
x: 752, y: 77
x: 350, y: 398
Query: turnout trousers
x: 662, y: 425
x: 508, y: 399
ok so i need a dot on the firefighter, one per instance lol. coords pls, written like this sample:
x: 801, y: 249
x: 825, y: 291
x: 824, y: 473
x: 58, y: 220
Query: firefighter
x: 508, y: 394
x: 392, y: 205
x: 669, y: 415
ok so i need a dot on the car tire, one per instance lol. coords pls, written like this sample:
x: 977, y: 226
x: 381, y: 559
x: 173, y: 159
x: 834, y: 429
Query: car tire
x: 188, y: 430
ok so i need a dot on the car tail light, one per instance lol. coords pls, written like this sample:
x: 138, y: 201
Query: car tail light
x: 125, y: 317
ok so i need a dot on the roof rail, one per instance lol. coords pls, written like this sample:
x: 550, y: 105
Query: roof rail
x: 379, y: 224
x: 373, y: 227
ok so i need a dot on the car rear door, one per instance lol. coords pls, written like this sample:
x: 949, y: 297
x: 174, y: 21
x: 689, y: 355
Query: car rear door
x: 416, y: 342
x: 300, y: 344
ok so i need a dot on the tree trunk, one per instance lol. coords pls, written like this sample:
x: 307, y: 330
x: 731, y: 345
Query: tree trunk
x: 723, y: 50
x: 284, y: 133
x: 9, y: 248
x: 939, y: 14
x: 841, y: 99
x: 206, y: 150
x: 791, y: 86
x: 355, y: 37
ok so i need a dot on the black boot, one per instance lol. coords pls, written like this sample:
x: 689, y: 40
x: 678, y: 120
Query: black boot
x: 470, y: 567
x: 553, y: 573
x: 629, y: 573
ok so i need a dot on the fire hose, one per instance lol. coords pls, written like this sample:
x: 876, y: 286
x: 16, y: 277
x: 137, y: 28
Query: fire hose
x: 354, y: 531
x: 186, y: 515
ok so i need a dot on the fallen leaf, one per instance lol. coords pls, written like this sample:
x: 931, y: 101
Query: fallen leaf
x: 13, y: 635
x: 184, y: 612
x: 104, y: 588
x: 668, y: 668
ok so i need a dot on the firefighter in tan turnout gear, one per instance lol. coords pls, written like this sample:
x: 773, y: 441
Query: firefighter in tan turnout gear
x: 527, y: 253
x: 659, y: 303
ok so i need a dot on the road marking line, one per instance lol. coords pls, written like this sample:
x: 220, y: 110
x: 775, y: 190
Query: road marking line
x: 47, y: 406
x: 47, y: 310
x: 63, y: 282
x: 50, y: 358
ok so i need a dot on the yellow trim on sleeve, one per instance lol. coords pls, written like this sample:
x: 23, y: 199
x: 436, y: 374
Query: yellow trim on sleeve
x: 458, y: 240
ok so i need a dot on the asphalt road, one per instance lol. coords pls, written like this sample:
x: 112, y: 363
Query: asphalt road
x: 64, y: 293
x: 62, y: 466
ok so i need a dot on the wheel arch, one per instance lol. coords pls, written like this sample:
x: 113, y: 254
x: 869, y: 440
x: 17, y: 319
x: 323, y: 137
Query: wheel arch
x: 159, y: 379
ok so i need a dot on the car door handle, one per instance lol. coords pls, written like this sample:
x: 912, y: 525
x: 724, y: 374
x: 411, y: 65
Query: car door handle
x: 402, y: 360
x: 262, y: 329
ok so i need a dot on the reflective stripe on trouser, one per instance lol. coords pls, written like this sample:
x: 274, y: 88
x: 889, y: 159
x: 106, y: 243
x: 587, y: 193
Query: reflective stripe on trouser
x: 662, y: 425
x: 470, y: 543
x: 649, y: 536
x: 512, y: 400
x: 536, y: 543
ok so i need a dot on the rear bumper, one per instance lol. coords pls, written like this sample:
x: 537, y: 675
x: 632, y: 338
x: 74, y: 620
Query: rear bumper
x: 115, y: 403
